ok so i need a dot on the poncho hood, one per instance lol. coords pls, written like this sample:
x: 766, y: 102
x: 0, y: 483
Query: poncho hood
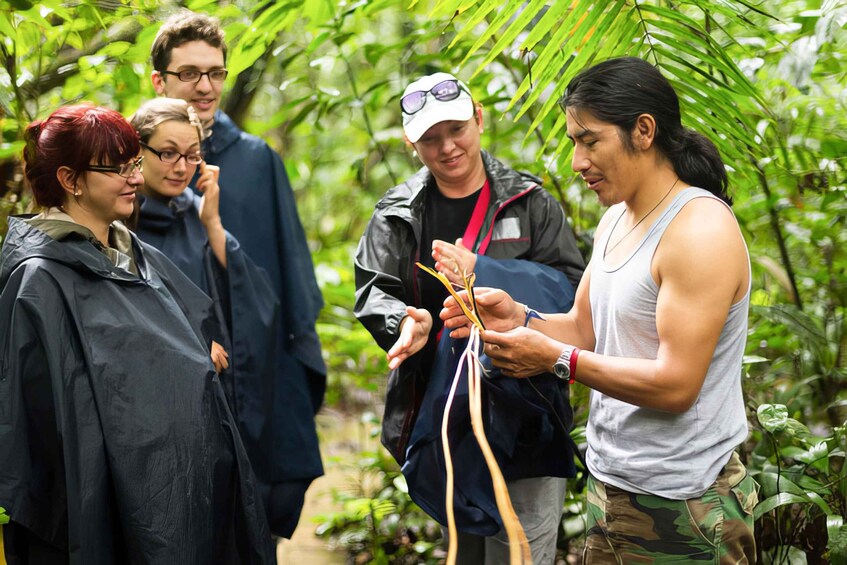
x: 24, y: 242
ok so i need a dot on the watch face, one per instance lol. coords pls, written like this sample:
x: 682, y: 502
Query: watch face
x: 562, y: 370
x: 562, y: 366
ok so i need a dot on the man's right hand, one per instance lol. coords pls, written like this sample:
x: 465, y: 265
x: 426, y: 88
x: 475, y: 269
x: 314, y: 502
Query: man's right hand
x: 494, y: 306
x: 414, y: 332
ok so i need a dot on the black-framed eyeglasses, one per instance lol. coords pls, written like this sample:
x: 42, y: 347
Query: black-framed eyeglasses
x: 171, y: 157
x: 126, y: 170
x: 444, y: 91
x: 193, y: 75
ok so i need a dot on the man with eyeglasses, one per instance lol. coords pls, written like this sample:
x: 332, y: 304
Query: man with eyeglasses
x: 257, y: 206
x: 466, y: 212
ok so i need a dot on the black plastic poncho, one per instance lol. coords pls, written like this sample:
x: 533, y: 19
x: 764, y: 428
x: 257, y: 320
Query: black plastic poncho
x: 116, y: 442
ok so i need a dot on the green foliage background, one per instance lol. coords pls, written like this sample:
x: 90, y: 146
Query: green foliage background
x: 320, y: 79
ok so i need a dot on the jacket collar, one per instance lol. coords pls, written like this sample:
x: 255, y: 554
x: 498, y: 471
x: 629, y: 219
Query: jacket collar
x: 224, y: 133
x: 506, y: 183
x: 160, y: 214
x: 75, y: 250
x: 405, y: 199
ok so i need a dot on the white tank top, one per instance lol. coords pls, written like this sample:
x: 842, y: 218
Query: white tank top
x: 676, y: 456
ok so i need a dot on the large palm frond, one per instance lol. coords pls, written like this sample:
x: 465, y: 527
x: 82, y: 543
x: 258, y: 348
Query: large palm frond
x: 686, y: 40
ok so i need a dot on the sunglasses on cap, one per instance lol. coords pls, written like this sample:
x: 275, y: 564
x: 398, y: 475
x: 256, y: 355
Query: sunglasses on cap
x: 444, y: 91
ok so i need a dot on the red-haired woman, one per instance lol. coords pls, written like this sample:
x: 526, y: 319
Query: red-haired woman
x: 116, y: 441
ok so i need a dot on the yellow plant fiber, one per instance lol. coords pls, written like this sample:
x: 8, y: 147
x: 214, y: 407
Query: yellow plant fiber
x: 519, y: 553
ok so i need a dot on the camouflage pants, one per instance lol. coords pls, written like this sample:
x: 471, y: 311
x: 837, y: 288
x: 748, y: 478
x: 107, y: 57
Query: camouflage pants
x: 624, y: 527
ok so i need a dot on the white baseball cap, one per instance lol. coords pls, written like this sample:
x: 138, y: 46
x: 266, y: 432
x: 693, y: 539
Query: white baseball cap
x: 433, y: 110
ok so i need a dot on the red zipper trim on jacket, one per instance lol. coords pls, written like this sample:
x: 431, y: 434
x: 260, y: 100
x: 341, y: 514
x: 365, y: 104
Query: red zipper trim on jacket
x: 484, y: 245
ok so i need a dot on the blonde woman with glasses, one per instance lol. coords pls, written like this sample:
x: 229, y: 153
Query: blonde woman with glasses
x: 188, y: 229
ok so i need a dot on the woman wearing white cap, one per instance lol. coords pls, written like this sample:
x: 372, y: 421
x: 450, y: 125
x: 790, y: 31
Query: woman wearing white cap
x: 466, y: 212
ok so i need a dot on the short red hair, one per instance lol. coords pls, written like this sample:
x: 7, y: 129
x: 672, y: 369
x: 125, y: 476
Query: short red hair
x: 74, y: 137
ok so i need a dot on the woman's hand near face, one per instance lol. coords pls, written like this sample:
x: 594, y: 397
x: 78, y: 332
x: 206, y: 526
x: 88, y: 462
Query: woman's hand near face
x: 207, y: 184
x: 210, y: 216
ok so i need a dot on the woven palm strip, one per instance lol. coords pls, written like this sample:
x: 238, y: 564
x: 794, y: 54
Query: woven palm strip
x: 519, y: 553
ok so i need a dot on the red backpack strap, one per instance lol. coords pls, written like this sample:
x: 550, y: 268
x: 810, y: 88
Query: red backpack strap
x: 478, y: 216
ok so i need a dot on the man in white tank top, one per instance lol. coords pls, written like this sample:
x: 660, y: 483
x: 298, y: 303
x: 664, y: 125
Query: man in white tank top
x: 657, y: 330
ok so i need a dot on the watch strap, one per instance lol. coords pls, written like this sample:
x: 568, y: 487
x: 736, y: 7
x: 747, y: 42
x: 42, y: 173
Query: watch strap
x: 568, y: 357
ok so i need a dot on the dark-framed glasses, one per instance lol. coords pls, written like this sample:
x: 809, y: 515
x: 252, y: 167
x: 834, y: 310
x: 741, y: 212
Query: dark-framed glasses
x: 444, y: 91
x: 126, y: 170
x: 193, y: 75
x: 170, y: 156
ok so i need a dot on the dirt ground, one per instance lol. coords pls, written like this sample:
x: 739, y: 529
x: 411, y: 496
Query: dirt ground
x: 342, y: 436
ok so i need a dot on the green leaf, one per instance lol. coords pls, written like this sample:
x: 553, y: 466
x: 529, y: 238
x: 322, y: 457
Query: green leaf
x: 688, y: 35
x: 776, y: 501
x: 525, y: 16
x: 774, y: 483
x: 7, y: 28
x: 773, y: 417
x: 200, y: 5
x: 837, y: 539
x: 817, y: 456
x: 569, y: 36
x: 317, y: 41
x: 259, y: 36
x: 115, y: 48
x: 399, y: 483
x: 303, y: 113
x: 20, y: 4
x: 317, y: 12
x: 753, y: 359
x: 567, y: 46
x: 483, y: 9
x: 541, y: 29
x: 580, y: 56
x: 799, y: 323
x: 820, y: 502
x: 11, y: 149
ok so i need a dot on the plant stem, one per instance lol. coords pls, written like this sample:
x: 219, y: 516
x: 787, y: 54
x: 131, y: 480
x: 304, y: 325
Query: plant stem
x: 780, y: 239
x: 368, y: 126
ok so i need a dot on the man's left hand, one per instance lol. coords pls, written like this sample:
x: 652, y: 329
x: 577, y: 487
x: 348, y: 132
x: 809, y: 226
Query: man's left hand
x: 521, y: 352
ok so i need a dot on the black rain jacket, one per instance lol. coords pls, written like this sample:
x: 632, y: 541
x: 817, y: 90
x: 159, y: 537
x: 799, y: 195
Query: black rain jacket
x: 386, y: 276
